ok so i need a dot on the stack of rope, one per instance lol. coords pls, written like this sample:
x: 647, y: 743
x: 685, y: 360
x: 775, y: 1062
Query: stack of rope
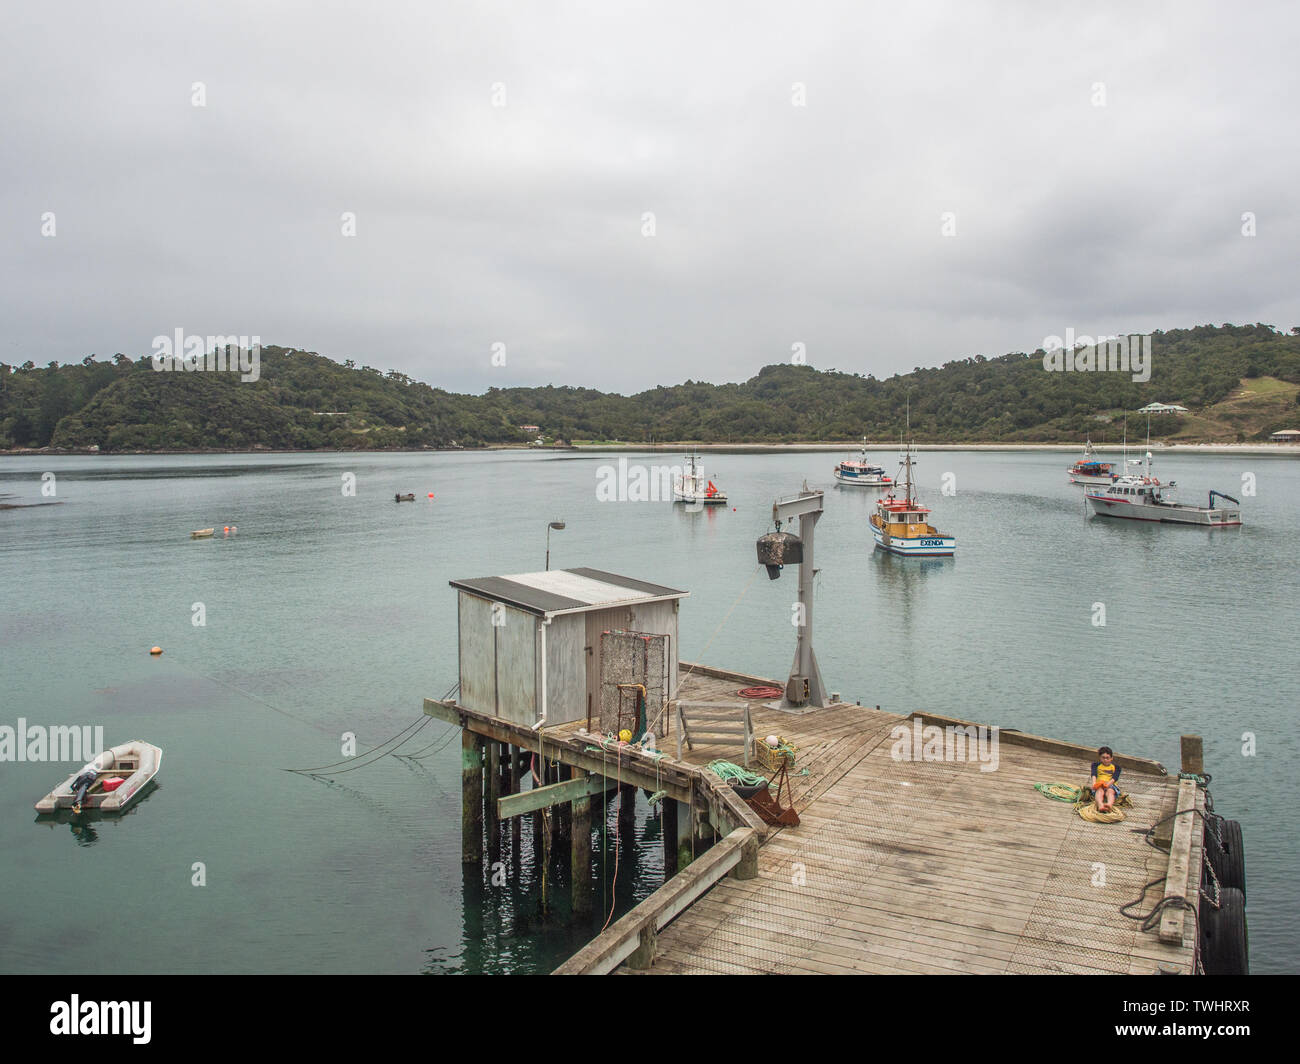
x: 1082, y: 801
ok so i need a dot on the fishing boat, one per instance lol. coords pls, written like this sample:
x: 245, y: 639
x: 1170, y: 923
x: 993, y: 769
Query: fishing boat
x: 902, y: 526
x: 1088, y: 470
x: 692, y: 486
x: 202, y: 533
x: 1138, y: 496
x: 861, y: 473
x: 120, y: 774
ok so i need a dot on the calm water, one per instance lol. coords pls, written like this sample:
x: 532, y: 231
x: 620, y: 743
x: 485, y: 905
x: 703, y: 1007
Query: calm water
x: 330, y: 614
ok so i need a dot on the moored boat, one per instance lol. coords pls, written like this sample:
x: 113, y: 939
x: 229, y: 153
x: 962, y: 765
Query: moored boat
x: 861, y: 473
x: 1141, y: 497
x: 1089, y: 470
x: 119, y: 775
x: 692, y: 486
x: 902, y: 526
x: 202, y: 533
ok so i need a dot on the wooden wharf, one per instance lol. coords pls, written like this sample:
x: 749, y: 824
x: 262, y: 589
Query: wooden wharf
x: 899, y: 865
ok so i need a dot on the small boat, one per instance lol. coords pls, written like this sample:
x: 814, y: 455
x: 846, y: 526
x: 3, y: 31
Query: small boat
x: 120, y: 775
x: 1088, y: 470
x: 861, y: 473
x: 902, y: 526
x: 404, y: 498
x: 1141, y: 497
x: 202, y: 533
x: 694, y: 487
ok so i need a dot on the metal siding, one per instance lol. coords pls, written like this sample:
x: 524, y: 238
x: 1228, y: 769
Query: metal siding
x: 517, y: 667
x: 477, y: 687
x: 566, y: 670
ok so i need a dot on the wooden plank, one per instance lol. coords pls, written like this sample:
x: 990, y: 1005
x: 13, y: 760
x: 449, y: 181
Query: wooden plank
x: 639, y: 769
x: 551, y: 794
x: 1180, y: 856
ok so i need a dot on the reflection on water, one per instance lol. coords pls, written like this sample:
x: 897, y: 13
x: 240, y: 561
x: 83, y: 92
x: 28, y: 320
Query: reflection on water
x: 83, y: 823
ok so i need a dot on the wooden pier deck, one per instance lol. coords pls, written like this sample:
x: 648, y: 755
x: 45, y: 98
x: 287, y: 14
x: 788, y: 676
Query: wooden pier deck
x: 913, y: 866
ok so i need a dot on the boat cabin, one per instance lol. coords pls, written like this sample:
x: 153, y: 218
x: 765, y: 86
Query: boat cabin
x: 900, y: 518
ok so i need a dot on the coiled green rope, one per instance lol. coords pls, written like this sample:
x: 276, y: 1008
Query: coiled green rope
x: 728, y: 771
x: 1060, y: 792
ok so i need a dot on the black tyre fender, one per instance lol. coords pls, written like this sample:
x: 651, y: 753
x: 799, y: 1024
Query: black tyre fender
x: 1225, y: 941
x: 1228, y: 855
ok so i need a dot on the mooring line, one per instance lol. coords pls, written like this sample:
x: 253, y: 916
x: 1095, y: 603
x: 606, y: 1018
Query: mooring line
x: 350, y: 764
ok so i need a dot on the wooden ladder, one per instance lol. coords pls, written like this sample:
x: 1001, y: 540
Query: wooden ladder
x: 718, y: 721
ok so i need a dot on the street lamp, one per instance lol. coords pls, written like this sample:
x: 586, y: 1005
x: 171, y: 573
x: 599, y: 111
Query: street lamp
x: 559, y: 527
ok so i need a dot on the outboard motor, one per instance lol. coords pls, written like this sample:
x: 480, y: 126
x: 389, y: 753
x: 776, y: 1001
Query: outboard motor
x: 777, y: 549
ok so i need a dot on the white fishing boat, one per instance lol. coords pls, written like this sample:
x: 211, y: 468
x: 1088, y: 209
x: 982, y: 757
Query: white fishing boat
x: 119, y: 775
x: 692, y: 486
x: 902, y: 526
x: 1089, y: 470
x: 861, y: 473
x: 1138, y: 496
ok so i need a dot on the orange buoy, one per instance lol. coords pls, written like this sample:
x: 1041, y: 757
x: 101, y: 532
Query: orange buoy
x: 156, y: 651
x: 431, y: 495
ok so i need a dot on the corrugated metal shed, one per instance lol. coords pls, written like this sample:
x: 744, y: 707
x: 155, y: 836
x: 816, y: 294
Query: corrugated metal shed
x: 530, y: 645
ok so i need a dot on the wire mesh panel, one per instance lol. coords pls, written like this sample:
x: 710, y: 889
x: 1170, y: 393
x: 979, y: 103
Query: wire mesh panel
x: 628, y: 659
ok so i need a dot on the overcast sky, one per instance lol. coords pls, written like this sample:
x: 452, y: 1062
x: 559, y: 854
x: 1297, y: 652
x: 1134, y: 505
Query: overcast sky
x: 1098, y: 159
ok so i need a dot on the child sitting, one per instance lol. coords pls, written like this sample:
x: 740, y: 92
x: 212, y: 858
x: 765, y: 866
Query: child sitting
x: 1105, y: 774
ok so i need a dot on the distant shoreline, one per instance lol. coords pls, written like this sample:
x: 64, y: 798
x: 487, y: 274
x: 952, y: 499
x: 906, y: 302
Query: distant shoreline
x: 757, y: 448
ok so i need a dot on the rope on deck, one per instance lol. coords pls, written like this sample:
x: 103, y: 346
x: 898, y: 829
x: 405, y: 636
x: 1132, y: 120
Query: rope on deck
x: 731, y: 772
x: 1059, y: 792
x: 1093, y: 815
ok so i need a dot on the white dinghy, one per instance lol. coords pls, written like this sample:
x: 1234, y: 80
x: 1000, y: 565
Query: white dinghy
x: 120, y: 775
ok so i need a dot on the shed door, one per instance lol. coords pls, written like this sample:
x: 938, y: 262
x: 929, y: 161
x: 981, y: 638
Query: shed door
x: 601, y: 621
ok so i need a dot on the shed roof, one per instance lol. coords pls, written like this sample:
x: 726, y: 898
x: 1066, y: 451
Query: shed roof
x: 566, y: 590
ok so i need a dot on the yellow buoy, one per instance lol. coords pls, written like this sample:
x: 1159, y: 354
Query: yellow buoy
x: 156, y: 651
x: 625, y: 736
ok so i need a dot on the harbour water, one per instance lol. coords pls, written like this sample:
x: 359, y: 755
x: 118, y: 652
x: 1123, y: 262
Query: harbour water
x: 329, y: 613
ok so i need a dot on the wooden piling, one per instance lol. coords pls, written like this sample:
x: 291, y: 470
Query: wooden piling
x: 539, y: 821
x: 668, y: 814
x: 555, y: 774
x: 515, y: 821
x: 492, y: 791
x: 580, y: 856
x: 1193, y: 754
x: 626, y: 808
x: 471, y: 797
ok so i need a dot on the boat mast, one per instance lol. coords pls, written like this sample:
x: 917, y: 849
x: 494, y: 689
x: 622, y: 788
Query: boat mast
x: 908, y: 453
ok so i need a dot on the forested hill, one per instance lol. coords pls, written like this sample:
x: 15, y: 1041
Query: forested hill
x: 303, y: 400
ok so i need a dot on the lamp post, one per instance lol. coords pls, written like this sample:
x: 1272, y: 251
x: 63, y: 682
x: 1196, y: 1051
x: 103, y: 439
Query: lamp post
x: 559, y: 527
